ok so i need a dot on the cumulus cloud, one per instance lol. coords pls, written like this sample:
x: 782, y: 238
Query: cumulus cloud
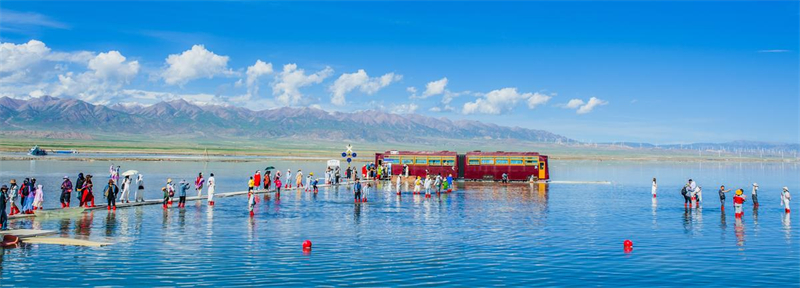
x: 501, y: 100
x: 405, y: 108
x: 590, y: 105
x: 350, y: 81
x: 287, y: 84
x: 253, y: 73
x: 574, y: 104
x: 193, y: 64
x: 434, y: 88
x: 33, y: 62
x: 106, y: 74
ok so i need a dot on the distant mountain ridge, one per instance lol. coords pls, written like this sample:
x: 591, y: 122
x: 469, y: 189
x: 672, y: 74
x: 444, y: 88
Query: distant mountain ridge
x: 184, y: 118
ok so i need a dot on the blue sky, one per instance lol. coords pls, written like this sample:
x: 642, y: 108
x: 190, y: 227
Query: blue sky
x: 659, y: 72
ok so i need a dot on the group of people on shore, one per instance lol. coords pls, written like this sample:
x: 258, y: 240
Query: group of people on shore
x: 693, y: 196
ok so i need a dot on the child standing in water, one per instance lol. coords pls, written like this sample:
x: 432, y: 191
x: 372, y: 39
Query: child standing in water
x: 288, y: 179
x: 655, y: 188
x: 449, y: 182
x: 170, y: 190
x: 251, y: 203
x: 417, y: 185
x: 299, y: 179
x: 278, y: 185
x: 250, y: 185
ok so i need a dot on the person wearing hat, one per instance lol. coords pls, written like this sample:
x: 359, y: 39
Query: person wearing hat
x: 166, y: 197
x: 170, y: 190
x: 12, y: 196
x: 88, y: 195
x: 755, y: 195
x: 3, y: 199
x: 110, y: 192
x: 66, y: 189
x: 785, y: 199
x: 308, y: 182
x: 738, y: 201
x: 314, y: 183
x: 299, y: 179
x: 212, y: 185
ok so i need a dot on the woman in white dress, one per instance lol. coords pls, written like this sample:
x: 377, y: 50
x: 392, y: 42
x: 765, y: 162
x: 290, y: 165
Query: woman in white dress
x: 211, y: 186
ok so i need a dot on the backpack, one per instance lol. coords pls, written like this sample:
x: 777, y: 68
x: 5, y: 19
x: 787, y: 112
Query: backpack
x: 683, y: 191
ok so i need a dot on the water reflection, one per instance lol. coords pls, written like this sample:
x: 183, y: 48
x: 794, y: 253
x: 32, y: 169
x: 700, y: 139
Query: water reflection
x: 738, y: 228
x: 786, y: 220
x: 83, y: 227
x: 110, y: 223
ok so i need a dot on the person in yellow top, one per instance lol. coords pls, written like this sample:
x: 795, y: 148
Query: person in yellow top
x: 250, y: 185
x: 299, y: 179
x: 417, y: 184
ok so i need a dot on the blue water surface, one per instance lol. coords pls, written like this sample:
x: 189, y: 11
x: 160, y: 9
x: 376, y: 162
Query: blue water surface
x: 483, y: 234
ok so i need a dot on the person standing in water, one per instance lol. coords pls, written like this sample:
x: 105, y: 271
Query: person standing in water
x: 755, y: 195
x: 3, y: 200
x: 38, y: 199
x: 399, y: 180
x: 288, y: 183
x: 126, y: 190
x: 166, y: 197
x: 785, y: 199
x: 12, y: 196
x: 278, y: 185
x: 267, y: 179
x: 437, y: 183
x: 111, y: 194
x: 79, y: 188
x: 198, y: 184
x: 250, y: 185
x: 182, y: 194
x: 257, y: 180
x: 88, y: 195
x: 211, y: 186
x: 66, y: 189
x: 722, y: 192
x: 251, y: 203
x: 139, y: 197
x: 738, y: 202
x: 299, y: 179
x: 171, y: 190
x: 428, y: 186
x: 655, y: 188
x: 449, y: 182
x: 357, y: 191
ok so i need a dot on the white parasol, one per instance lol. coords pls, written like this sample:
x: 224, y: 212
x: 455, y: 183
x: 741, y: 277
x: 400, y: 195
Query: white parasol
x: 130, y: 173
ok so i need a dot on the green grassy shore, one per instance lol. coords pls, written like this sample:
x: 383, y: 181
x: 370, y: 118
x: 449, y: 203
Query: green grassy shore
x: 332, y: 149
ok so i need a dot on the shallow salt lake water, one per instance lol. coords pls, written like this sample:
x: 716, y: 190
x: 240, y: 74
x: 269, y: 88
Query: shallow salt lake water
x: 481, y: 235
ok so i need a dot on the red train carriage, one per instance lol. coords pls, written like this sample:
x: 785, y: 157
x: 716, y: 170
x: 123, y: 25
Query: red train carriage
x: 476, y: 165
x: 520, y: 166
x: 420, y: 162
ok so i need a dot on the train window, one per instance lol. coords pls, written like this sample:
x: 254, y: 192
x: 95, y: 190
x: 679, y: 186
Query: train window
x: 407, y: 160
x: 473, y: 161
x: 448, y: 162
x: 541, y: 165
x: 420, y: 161
x: 516, y: 161
x: 501, y: 161
x: 435, y: 162
x: 531, y: 161
x: 391, y: 160
x: 487, y: 161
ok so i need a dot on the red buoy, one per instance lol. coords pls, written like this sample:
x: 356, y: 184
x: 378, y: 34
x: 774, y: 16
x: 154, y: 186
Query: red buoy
x: 627, y: 244
x: 307, y: 245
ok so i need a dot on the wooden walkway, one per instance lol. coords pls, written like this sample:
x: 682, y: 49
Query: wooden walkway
x: 99, y: 206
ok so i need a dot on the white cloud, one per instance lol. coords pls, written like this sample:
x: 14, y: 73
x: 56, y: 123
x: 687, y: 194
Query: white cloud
x: 34, y: 62
x: 287, y: 84
x: 501, y: 100
x: 146, y: 97
x: 774, y: 51
x: 14, y: 20
x: 112, y: 66
x: 405, y: 108
x: 412, y: 90
x: 193, y: 64
x: 434, y: 88
x: 589, y: 106
x: 106, y: 74
x: 349, y: 81
x: 253, y: 73
x: 574, y: 104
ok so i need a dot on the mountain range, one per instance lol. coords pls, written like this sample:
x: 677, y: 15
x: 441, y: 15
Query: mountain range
x: 179, y: 117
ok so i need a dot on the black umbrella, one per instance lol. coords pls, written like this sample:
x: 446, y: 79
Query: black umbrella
x: 269, y: 168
